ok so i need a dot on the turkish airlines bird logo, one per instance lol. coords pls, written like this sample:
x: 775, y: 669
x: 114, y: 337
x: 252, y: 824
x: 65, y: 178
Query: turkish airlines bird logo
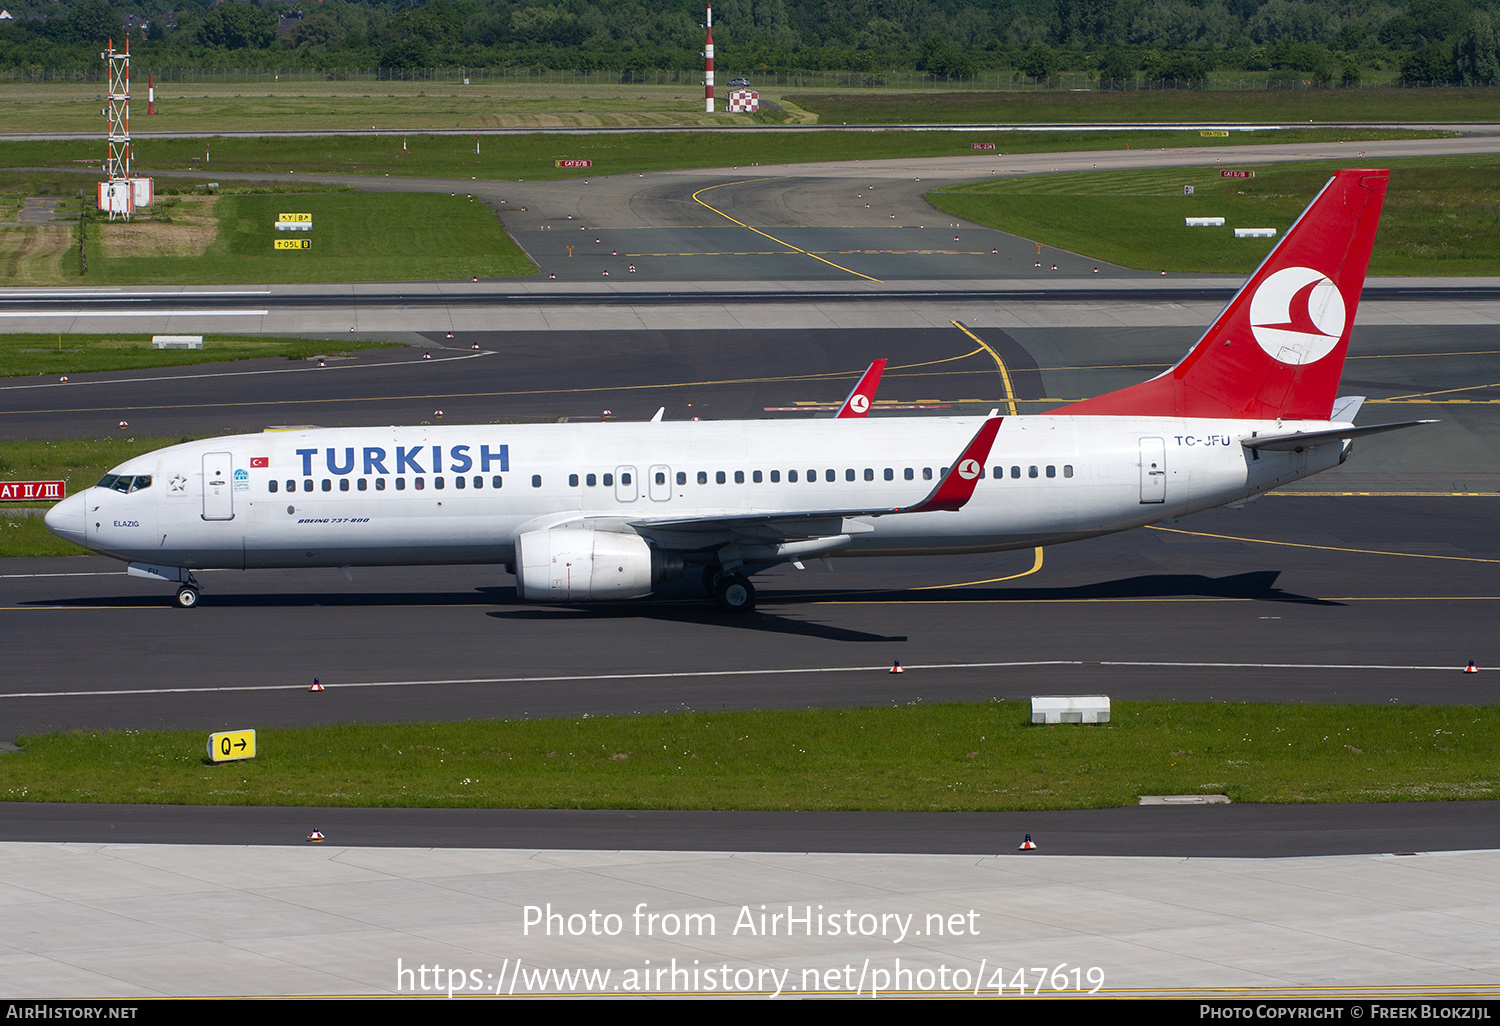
x: 968, y: 469
x: 859, y: 403
x: 1297, y: 315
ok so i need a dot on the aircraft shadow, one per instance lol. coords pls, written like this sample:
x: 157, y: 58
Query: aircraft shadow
x: 1257, y: 585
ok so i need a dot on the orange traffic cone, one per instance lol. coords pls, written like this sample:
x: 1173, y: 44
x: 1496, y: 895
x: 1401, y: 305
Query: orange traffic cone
x: 896, y: 667
x: 1027, y: 845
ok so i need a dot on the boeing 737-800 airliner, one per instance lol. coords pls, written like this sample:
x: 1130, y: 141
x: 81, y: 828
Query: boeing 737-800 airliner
x: 589, y: 512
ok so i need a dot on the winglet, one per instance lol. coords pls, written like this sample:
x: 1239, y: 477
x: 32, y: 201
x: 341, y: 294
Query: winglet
x: 958, y: 484
x: 863, y: 397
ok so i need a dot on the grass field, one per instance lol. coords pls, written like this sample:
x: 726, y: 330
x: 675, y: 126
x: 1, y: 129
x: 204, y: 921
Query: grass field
x: 1155, y: 106
x: 205, y: 108
x: 533, y: 157
x: 941, y: 757
x: 230, y: 239
x: 1441, y: 216
x: 24, y: 355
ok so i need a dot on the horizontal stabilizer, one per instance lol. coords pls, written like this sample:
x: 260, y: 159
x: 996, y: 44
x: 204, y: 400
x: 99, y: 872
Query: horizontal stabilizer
x: 1299, y: 440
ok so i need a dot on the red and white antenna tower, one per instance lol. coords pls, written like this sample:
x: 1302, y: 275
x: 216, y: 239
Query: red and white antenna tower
x: 708, y: 63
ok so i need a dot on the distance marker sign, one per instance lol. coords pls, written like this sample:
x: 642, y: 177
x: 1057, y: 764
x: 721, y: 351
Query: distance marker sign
x: 231, y: 745
x: 293, y: 243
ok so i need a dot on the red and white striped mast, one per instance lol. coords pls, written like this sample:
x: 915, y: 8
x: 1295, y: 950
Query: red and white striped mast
x: 708, y: 63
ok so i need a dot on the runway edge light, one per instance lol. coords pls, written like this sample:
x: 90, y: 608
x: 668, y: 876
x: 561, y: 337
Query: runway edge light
x: 1471, y: 668
x: 1027, y: 845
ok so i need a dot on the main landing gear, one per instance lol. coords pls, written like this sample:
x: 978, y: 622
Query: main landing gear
x: 733, y: 591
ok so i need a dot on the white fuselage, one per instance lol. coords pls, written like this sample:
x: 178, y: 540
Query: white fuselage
x: 464, y: 494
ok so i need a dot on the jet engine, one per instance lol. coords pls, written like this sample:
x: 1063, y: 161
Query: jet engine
x: 574, y: 564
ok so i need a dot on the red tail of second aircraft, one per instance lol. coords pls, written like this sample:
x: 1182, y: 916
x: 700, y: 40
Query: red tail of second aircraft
x: 1277, y: 350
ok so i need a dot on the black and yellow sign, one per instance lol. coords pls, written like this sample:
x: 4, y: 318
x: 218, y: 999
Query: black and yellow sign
x: 1215, y: 134
x: 231, y: 745
x: 294, y: 217
x: 293, y: 243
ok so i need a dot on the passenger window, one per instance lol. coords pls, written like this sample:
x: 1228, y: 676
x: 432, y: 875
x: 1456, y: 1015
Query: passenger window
x: 1067, y: 470
x: 1051, y: 470
x: 661, y: 478
x: 327, y: 485
x: 291, y: 486
x: 719, y: 477
x: 460, y: 482
x: 419, y: 482
x: 1015, y: 472
x: 739, y: 477
x: 926, y: 473
x: 910, y: 475
x: 812, y: 476
x: 624, y: 479
x: 591, y: 480
x: 869, y: 474
x: 536, y: 480
x: 776, y: 477
x: 609, y: 480
x: 363, y: 485
x: 755, y: 476
x: 271, y: 485
x: 400, y: 484
x: 380, y: 484
x: 999, y: 473
x: 890, y: 474
x: 343, y: 484
x: 682, y: 477
x: 572, y: 480
x: 703, y: 477
x: 1031, y: 470
x: 830, y: 475
x: 437, y: 483
x: 307, y: 484
x: 848, y: 473
x: 497, y: 481
x: 791, y: 476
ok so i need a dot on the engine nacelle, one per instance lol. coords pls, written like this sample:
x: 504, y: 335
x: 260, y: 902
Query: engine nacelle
x: 573, y: 564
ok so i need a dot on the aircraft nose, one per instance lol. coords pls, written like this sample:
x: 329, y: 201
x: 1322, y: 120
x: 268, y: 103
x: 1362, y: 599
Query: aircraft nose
x: 66, y: 519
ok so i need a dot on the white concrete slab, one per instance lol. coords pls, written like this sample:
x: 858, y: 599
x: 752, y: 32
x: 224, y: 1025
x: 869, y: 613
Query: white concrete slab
x: 96, y: 921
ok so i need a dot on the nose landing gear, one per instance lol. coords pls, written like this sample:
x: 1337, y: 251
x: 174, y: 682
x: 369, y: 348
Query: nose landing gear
x: 187, y: 595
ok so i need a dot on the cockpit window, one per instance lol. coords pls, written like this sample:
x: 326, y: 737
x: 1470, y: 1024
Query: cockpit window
x: 125, y: 482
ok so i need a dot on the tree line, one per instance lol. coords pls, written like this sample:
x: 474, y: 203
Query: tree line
x: 1119, y: 41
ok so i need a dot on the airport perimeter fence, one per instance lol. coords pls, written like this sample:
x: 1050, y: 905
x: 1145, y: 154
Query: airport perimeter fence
x: 896, y: 81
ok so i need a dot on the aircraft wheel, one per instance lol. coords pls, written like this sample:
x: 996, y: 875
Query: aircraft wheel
x: 735, y: 593
x: 187, y: 597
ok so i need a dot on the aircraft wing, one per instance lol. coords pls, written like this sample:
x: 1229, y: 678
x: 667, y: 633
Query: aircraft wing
x: 1296, y: 441
x: 951, y: 493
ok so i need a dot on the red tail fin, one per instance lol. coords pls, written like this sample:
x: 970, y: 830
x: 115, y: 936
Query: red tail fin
x: 1278, y: 348
x: 863, y: 397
